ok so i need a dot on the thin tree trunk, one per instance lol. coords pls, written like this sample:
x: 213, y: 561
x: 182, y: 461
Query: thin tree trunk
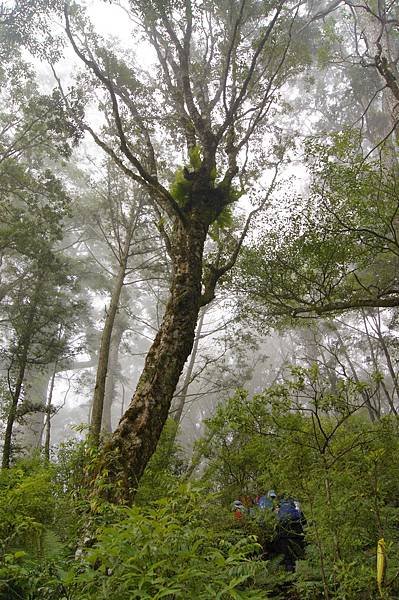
x: 109, y: 393
x: 28, y: 434
x: 370, y: 408
x: 13, y: 408
x: 127, y: 453
x: 23, y: 363
x: 327, y: 484
x: 388, y: 361
x: 376, y: 367
x: 48, y: 416
x: 198, y: 454
x: 103, y: 357
x: 182, y: 397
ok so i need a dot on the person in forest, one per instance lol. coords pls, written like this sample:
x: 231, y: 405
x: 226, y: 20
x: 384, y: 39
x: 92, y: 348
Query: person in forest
x: 290, y: 540
x: 239, y: 510
x: 266, y: 517
x: 267, y: 501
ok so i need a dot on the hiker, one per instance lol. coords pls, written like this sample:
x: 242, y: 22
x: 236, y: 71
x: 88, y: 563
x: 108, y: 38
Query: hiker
x: 268, y: 501
x: 266, y: 522
x: 290, y: 541
x: 239, y: 510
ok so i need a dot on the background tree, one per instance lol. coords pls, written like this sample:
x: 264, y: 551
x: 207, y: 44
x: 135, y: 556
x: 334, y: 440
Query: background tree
x: 35, y: 311
x: 339, y: 249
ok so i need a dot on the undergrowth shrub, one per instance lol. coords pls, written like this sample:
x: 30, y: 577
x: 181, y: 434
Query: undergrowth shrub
x: 167, y: 551
x: 31, y: 550
x: 165, y: 468
x: 27, y: 506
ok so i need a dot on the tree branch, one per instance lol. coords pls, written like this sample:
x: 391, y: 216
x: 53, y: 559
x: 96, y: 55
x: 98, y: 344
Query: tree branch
x: 165, y: 198
x: 216, y: 272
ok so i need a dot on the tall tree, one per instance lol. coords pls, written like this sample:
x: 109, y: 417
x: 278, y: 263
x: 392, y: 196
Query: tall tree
x: 33, y: 208
x: 219, y: 71
x: 32, y: 317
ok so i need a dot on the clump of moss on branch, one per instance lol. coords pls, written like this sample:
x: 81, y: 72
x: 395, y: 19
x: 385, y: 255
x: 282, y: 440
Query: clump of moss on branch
x: 182, y: 187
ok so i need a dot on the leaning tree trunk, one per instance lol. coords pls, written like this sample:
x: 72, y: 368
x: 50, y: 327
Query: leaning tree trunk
x: 130, y: 447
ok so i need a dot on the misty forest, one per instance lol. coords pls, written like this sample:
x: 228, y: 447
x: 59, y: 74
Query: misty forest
x: 199, y: 299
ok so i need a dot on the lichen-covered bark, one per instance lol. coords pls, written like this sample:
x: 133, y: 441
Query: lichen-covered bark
x: 128, y: 451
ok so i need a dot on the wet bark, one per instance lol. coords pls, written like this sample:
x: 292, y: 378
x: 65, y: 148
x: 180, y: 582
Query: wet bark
x: 128, y: 451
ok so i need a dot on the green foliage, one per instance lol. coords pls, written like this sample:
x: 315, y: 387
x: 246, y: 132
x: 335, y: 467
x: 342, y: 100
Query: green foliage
x: 311, y: 442
x: 335, y: 246
x: 177, y: 547
x: 31, y: 550
x: 181, y: 187
x: 165, y: 467
x: 27, y: 506
x: 301, y: 437
x: 27, y: 24
x: 22, y: 577
x: 195, y: 158
x: 165, y: 551
x: 224, y: 221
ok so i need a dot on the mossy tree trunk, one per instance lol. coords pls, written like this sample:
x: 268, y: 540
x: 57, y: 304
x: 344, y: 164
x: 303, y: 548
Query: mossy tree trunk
x: 132, y: 444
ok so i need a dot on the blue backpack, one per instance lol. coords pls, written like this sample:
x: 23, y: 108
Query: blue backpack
x: 288, y: 511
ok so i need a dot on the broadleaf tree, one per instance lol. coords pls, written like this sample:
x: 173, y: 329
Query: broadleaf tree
x: 209, y: 101
x: 338, y: 249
